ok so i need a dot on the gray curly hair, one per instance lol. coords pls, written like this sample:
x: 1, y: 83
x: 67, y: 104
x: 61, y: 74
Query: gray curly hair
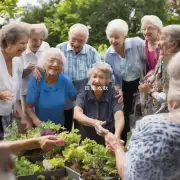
x: 13, y: 32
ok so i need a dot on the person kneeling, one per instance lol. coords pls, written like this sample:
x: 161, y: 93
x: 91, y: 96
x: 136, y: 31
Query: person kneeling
x: 97, y: 106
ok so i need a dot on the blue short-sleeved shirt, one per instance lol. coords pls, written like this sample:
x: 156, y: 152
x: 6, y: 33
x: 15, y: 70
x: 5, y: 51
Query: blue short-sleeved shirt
x: 49, y: 101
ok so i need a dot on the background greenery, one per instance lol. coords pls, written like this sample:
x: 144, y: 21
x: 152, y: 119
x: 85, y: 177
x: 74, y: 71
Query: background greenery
x: 59, y: 15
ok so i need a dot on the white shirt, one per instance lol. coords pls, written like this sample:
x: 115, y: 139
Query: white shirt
x: 7, y: 83
x: 29, y: 57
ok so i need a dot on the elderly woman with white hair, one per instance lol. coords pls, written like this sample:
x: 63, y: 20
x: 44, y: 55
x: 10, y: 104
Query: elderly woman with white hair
x: 127, y: 59
x: 169, y: 46
x: 151, y: 27
x: 36, y: 46
x: 46, y: 98
x: 97, y: 106
x: 154, y: 146
x: 26, y: 63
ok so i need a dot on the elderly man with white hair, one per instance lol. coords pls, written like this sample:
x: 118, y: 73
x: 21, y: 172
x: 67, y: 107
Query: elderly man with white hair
x: 126, y: 57
x: 80, y: 58
x: 97, y: 106
x: 46, y: 98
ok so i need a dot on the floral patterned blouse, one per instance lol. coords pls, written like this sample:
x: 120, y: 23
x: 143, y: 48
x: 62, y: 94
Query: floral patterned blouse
x: 154, y: 150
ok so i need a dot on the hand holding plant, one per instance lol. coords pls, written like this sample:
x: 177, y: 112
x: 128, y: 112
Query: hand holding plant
x: 47, y: 143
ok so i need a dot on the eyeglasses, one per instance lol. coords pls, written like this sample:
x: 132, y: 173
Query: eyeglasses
x: 53, y: 60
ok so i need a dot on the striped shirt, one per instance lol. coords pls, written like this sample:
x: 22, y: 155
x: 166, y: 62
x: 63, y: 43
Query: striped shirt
x: 78, y: 65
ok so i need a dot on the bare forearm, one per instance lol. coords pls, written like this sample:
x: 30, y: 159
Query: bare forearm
x: 119, y: 123
x: 20, y: 145
x: 30, y: 112
x: 120, y: 161
x: 82, y: 118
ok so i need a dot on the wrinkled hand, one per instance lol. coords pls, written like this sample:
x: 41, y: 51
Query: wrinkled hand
x: 47, y: 143
x: 99, y: 129
x: 6, y: 161
x: 113, y: 143
x: 146, y: 88
x: 37, y: 73
x: 6, y: 95
x: 119, y: 95
x: 31, y: 67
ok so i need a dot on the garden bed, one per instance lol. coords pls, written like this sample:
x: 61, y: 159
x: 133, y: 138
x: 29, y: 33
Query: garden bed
x: 83, y: 159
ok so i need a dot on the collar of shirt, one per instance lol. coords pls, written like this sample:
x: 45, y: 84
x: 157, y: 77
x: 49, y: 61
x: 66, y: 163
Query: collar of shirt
x: 82, y: 51
x: 54, y: 87
x: 105, y: 96
x: 28, y: 50
x: 128, y: 45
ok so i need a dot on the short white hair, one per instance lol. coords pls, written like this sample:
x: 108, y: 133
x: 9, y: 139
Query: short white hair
x: 79, y: 27
x: 173, y: 31
x: 39, y: 28
x: 117, y: 25
x: 104, y: 67
x: 47, y: 53
x: 154, y: 20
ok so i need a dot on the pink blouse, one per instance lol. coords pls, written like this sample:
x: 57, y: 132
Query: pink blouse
x: 151, y: 58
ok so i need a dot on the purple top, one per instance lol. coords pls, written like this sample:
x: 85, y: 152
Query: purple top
x: 151, y: 58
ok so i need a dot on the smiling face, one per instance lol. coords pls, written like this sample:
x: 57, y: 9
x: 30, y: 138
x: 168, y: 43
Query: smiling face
x: 166, y: 47
x: 150, y: 31
x: 98, y: 80
x: 54, y: 64
x: 77, y: 39
x: 35, y: 41
x: 19, y: 47
x: 116, y: 39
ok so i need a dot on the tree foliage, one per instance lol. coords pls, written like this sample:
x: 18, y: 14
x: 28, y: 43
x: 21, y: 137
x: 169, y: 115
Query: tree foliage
x: 60, y: 15
x: 9, y: 7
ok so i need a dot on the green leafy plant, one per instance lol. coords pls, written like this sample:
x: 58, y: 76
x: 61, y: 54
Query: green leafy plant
x: 86, y: 157
x: 49, y: 125
x: 71, y: 137
x: 56, y: 162
x: 25, y: 167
